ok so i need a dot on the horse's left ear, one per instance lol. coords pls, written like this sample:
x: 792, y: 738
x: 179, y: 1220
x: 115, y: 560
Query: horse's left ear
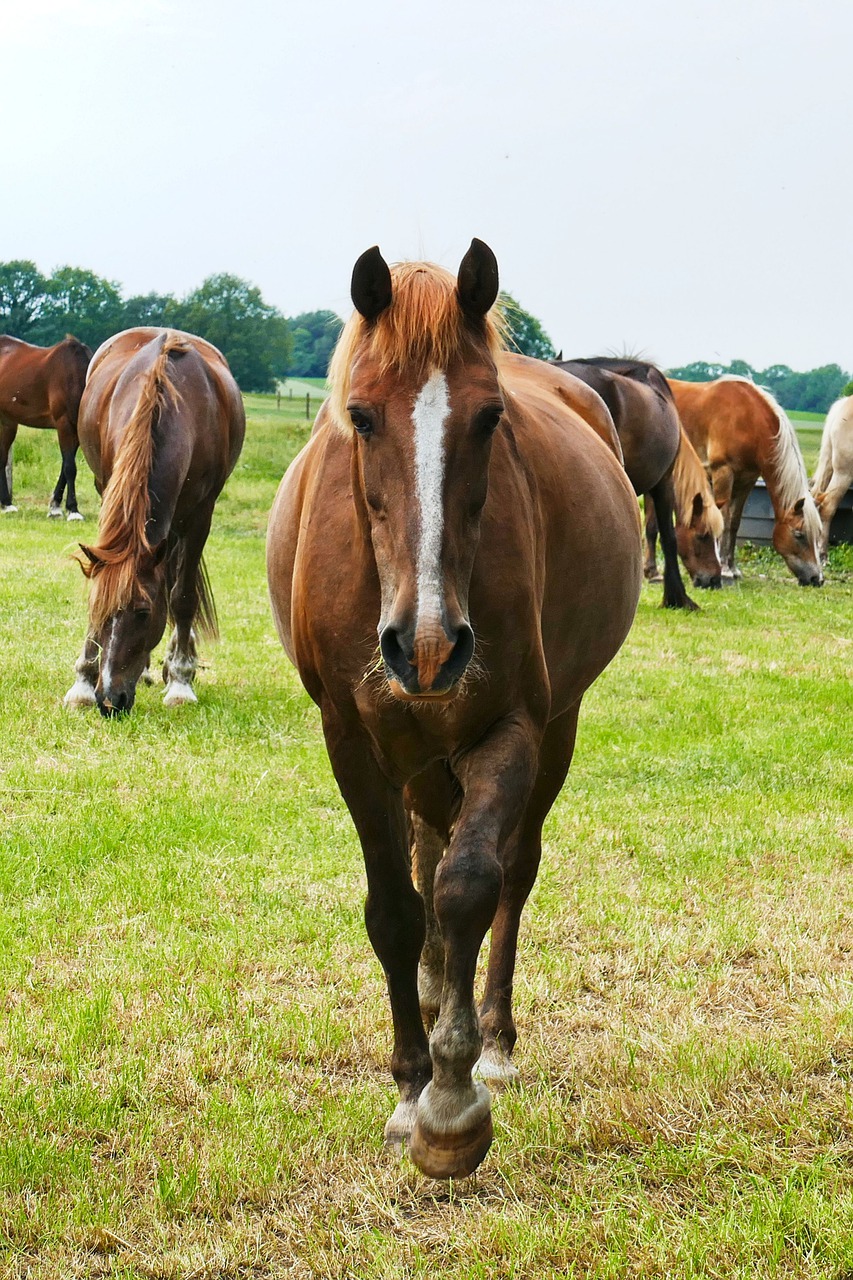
x: 798, y: 506
x: 90, y: 555
x: 371, y: 284
x: 477, y: 282
x: 698, y: 506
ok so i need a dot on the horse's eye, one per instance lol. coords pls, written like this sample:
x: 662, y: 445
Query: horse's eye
x: 142, y: 613
x: 487, y: 419
x: 799, y: 535
x: 361, y: 422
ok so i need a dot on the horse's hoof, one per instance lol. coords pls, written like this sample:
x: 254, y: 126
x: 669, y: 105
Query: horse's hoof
x: 398, y: 1129
x: 54, y: 513
x: 451, y: 1146
x: 177, y: 694
x: 74, y: 515
x: 496, y: 1067
x: 80, y: 695
x: 10, y: 510
x: 654, y: 577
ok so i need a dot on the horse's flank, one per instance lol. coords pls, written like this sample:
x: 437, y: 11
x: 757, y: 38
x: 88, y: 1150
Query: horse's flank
x: 122, y: 536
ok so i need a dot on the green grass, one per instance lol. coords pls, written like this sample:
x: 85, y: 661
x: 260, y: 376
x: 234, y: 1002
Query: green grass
x: 194, y: 1037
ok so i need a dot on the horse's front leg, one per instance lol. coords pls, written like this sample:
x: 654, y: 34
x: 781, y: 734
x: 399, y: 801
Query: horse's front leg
x: 454, y: 1125
x: 82, y: 692
x: 181, y: 660
x: 393, y: 911
x: 8, y: 431
x: 68, y: 445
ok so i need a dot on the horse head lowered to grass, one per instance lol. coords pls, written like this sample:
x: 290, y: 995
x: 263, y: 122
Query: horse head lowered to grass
x: 161, y: 425
x: 453, y: 505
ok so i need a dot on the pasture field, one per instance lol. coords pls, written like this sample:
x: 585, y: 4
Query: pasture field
x: 194, y: 1035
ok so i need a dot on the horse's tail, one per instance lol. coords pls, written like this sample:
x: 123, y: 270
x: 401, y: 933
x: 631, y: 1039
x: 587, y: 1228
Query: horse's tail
x: 823, y: 471
x: 205, y: 621
x: 125, y: 510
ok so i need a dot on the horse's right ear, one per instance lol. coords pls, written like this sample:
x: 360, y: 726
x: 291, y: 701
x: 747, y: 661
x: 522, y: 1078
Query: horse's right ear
x: 477, y: 281
x: 371, y: 284
x: 95, y: 562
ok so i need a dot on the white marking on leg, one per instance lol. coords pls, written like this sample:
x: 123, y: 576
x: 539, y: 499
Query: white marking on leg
x: 177, y: 693
x: 431, y: 411
x: 74, y: 515
x: 81, y: 694
x: 7, y: 511
x: 54, y: 512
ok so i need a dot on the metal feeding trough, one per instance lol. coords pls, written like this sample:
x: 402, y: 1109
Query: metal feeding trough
x: 757, y: 521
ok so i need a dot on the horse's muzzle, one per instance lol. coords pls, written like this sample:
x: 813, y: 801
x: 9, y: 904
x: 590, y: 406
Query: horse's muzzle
x: 398, y: 654
x: 116, y: 703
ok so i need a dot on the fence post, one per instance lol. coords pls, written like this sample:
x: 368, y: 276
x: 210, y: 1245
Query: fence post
x: 308, y: 404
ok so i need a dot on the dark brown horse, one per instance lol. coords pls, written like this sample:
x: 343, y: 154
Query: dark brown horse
x: 452, y: 503
x: 41, y: 387
x: 740, y: 432
x: 161, y: 425
x: 646, y: 420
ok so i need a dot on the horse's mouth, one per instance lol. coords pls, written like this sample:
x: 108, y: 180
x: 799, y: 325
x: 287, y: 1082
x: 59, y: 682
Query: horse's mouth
x: 431, y: 695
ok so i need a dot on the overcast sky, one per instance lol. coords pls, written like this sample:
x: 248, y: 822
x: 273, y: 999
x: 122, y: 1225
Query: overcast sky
x: 663, y: 176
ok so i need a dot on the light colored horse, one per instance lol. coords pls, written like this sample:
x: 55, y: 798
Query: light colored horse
x: 834, y: 473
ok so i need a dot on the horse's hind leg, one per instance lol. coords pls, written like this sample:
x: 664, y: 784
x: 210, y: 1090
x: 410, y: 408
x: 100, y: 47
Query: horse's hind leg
x: 82, y: 692
x: 521, y: 863
x: 650, y: 568
x: 68, y: 445
x: 8, y: 431
x: 674, y: 594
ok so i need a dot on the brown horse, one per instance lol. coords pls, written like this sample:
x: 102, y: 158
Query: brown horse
x: 161, y: 425
x: 698, y: 521
x: 741, y: 433
x: 450, y: 500
x: 41, y: 387
x: 646, y: 420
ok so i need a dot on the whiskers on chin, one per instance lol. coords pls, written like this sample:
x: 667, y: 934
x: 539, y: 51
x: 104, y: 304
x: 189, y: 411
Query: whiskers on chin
x: 375, y: 679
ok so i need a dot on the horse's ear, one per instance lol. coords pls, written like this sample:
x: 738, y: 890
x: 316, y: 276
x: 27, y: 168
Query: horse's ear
x: 560, y: 355
x: 91, y: 556
x: 371, y: 284
x: 160, y: 552
x: 477, y: 282
x: 798, y: 506
x: 698, y: 506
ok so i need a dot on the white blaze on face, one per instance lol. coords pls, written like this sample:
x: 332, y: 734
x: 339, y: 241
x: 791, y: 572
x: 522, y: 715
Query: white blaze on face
x: 431, y: 411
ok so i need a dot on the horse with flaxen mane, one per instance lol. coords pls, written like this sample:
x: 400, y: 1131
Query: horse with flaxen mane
x: 42, y: 387
x: 453, y: 502
x: 834, y: 473
x: 740, y: 433
x: 698, y: 520
x: 646, y: 420
x: 161, y: 426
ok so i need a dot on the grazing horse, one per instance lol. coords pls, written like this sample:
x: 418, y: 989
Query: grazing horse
x: 41, y: 387
x: 834, y: 473
x: 649, y: 432
x: 161, y: 425
x: 451, y: 501
x: 740, y: 433
x: 698, y: 521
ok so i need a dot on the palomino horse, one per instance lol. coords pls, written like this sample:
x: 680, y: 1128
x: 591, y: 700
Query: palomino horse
x: 41, y: 387
x: 161, y: 425
x: 698, y: 521
x: 834, y: 473
x: 741, y: 433
x: 450, y: 500
x: 637, y: 395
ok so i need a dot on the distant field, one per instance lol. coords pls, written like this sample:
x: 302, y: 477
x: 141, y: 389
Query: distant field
x: 194, y: 1034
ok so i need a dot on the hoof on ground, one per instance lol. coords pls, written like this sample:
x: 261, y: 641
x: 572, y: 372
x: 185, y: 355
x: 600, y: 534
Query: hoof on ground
x: 80, y: 696
x: 398, y: 1130
x: 74, y: 515
x: 496, y: 1067
x: 178, y: 694
x: 8, y: 511
x: 457, y: 1147
x: 654, y: 577
x: 54, y: 513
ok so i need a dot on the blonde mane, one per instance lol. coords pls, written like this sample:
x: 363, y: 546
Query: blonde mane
x: 790, y: 470
x: 424, y: 327
x: 689, y: 478
x: 122, y: 538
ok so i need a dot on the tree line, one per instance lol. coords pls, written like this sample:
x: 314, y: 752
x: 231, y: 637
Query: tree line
x: 253, y: 336
x: 809, y: 392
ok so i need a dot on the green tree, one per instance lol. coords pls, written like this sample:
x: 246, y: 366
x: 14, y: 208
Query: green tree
x: 23, y: 291
x: 525, y: 332
x: 847, y: 389
x: 253, y: 336
x: 157, y: 309
x: 82, y: 303
x: 314, y: 335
